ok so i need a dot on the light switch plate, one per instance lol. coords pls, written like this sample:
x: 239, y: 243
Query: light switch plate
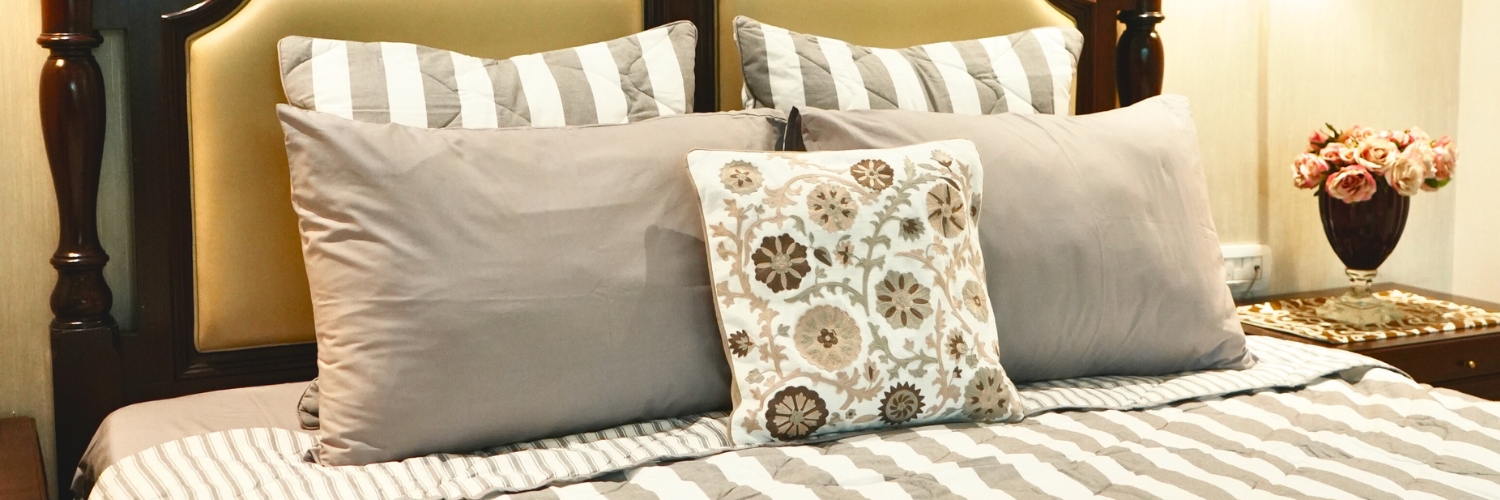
x: 1247, y: 269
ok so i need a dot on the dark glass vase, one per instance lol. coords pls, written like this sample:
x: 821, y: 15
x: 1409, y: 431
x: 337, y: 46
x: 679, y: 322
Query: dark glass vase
x: 1363, y: 234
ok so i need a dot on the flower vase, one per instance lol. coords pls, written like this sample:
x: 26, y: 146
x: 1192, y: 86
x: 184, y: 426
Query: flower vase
x: 1363, y: 234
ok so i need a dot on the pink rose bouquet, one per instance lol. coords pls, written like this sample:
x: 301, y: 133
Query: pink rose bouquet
x: 1350, y: 165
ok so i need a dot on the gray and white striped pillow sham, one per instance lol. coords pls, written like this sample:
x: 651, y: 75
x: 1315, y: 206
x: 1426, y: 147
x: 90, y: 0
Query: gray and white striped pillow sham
x: 623, y: 80
x: 1026, y: 72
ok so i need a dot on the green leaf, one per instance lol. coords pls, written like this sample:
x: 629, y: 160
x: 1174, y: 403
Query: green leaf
x: 1436, y: 184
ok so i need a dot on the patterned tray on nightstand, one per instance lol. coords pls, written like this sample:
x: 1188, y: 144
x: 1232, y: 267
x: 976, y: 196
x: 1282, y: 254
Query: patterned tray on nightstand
x: 1423, y: 315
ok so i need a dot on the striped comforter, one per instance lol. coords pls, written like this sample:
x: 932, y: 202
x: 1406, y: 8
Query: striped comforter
x: 1304, y: 422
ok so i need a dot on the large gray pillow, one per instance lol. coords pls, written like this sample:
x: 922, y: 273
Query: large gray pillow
x: 474, y: 288
x: 1100, y: 250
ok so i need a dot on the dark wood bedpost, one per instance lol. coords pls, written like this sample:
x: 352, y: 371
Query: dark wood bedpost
x: 1139, y: 56
x: 83, y: 332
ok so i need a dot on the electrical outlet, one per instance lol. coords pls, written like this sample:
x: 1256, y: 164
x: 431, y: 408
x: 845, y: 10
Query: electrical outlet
x: 1247, y: 269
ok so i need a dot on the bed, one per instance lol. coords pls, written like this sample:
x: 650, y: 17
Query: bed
x: 221, y: 350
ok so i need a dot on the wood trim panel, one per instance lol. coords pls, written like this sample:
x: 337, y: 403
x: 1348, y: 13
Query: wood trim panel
x: 96, y: 367
x: 704, y: 15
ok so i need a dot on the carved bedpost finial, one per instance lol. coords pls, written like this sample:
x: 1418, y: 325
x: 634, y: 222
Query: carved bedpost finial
x: 72, y: 105
x: 1139, y: 56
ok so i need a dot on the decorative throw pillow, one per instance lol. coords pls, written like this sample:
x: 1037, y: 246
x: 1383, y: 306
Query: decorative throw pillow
x: 850, y: 289
x: 1101, y: 250
x: 1026, y: 72
x: 623, y: 80
x: 473, y: 288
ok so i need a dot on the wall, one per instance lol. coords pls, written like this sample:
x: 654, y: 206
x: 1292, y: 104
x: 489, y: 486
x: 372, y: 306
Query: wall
x: 1264, y: 73
x: 1476, y: 238
x: 28, y: 225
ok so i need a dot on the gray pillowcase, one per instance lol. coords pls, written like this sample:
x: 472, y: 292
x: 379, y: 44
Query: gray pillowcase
x: 623, y: 80
x: 1099, y: 248
x: 473, y: 288
x: 1026, y: 72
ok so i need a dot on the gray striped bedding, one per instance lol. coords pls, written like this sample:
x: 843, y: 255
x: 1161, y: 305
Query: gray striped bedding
x: 1304, y: 422
x: 623, y: 80
x: 1026, y: 72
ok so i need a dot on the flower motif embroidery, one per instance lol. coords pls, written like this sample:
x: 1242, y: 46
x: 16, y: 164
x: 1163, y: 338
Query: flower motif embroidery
x: 942, y: 157
x: 780, y: 263
x: 901, y: 403
x: 873, y: 174
x: 985, y: 398
x: 795, y: 413
x: 740, y: 344
x: 828, y: 338
x: 912, y: 228
x: 831, y: 207
x: 974, y: 301
x: 843, y: 253
x: 902, y: 300
x: 957, y: 347
x: 740, y: 177
x: 946, y: 211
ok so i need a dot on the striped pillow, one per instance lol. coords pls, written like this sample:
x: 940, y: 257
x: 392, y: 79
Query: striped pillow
x: 623, y: 80
x: 1027, y: 72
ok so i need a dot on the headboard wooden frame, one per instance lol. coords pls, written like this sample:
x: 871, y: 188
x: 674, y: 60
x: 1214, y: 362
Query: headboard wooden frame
x: 97, y: 368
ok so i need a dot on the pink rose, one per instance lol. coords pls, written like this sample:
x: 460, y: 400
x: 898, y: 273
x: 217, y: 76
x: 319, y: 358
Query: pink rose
x: 1316, y: 140
x: 1408, y: 171
x: 1418, y: 135
x: 1355, y: 134
x: 1401, y: 138
x: 1351, y: 184
x: 1375, y: 154
x: 1444, y: 161
x: 1337, y: 154
x: 1308, y: 170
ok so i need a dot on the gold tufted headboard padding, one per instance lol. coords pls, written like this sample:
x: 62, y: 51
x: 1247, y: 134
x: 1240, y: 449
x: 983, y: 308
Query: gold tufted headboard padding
x: 251, y: 286
x: 876, y: 23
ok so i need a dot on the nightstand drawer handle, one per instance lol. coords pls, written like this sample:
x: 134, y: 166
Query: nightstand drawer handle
x: 1471, y: 364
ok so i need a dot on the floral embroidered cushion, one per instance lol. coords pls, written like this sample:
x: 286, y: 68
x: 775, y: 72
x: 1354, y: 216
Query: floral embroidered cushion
x: 850, y: 289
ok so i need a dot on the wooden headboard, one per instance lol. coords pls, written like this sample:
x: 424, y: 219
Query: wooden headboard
x: 98, y: 368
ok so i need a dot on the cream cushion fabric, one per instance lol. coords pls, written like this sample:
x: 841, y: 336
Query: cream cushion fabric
x: 850, y: 288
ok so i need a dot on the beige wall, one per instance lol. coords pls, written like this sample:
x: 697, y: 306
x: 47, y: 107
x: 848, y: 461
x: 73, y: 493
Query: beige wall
x: 1264, y: 73
x: 28, y: 225
x: 1476, y: 239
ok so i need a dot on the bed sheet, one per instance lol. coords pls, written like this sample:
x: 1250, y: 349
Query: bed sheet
x: 140, y: 426
x: 1306, y: 421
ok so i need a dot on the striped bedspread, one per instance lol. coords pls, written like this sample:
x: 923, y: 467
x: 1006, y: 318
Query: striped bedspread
x: 1304, y: 422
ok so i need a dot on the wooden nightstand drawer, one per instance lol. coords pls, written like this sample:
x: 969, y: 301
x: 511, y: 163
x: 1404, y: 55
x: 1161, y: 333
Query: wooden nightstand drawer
x: 1440, y: 361
x: 20, y: 461
x: 1485, y: 386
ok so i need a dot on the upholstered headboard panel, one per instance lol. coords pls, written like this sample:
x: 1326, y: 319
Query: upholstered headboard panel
x: 251, y: 289
x: 876, y: 23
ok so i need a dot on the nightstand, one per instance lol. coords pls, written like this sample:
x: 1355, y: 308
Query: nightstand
x: 1467, y: 361
x: 21, y: 476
